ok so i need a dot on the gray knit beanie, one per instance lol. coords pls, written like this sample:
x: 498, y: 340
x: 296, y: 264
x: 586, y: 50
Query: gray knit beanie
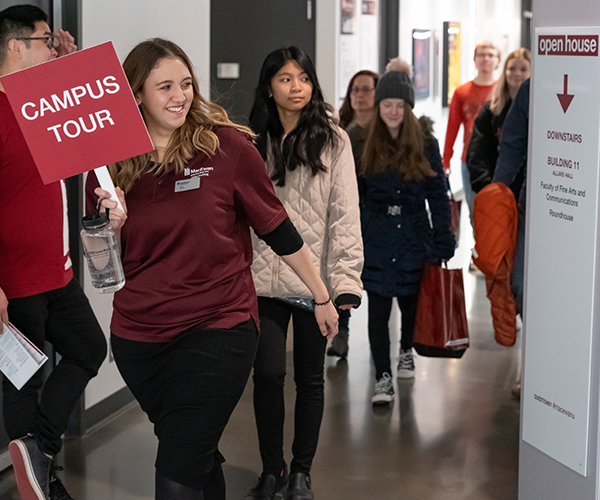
x: 395, y: 85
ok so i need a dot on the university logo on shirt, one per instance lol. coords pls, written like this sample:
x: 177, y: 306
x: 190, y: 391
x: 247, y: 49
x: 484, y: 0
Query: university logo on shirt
x: 197, y: 172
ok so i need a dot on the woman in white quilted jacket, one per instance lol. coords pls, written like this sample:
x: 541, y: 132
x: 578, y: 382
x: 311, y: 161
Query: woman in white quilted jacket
x: 309, y: 159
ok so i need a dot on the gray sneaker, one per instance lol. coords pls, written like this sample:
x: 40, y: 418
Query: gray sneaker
x: 31, y: 467
x: 384, y: 390
x: 406, y: 364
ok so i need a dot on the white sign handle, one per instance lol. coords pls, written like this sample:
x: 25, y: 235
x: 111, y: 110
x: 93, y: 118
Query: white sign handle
x: 106, y: 183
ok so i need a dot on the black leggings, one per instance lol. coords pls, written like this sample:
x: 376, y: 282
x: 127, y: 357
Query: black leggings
x: 189, y: 387
x: 269, y: 375
x: 65, y: 319
x: 380, y: 309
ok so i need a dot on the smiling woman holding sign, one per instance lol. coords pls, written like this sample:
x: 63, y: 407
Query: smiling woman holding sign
x: 184, y: 328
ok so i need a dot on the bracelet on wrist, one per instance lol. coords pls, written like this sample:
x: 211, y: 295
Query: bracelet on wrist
x: 323, y: 303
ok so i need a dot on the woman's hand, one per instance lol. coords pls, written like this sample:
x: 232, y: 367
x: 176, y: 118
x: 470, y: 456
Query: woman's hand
x: 326, y: 315
x: 116, y: 215
x: 327, y: 318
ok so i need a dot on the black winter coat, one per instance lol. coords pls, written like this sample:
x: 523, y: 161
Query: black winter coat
x: 482, y: 153
x: 483, y: 146
x: 397, y: 233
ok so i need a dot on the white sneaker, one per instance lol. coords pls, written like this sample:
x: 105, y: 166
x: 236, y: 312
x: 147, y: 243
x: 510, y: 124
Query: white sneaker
x: 384, y: 390
x: 406, y: 364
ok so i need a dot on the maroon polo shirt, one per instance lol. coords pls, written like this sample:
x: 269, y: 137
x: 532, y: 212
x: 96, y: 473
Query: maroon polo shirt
x: 186, y: 243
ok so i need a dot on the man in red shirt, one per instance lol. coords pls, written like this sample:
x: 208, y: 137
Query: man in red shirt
x: 465, y: 106
x: 37, y: 291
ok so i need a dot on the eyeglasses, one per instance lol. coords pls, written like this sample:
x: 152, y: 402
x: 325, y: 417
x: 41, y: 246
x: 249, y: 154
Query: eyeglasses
x: 486, y: 54
x: 50, y: 40
x: 364, y: 90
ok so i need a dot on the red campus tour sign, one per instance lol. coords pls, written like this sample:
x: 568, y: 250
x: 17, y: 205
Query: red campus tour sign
x: 77, y: 112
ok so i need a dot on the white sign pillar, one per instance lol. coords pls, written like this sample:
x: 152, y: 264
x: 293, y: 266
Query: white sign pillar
x: 560, y: 402
x: 563, y: 229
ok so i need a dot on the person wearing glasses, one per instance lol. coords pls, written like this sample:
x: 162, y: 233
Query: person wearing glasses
x: 465, y: 105
x: 355, y: 115
x: 38, y: 293
x: 357, y: 107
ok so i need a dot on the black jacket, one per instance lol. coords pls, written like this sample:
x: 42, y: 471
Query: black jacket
x: 483, y: 146
x: 512, y: 160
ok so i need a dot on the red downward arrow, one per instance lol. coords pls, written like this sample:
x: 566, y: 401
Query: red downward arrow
x: 564, y: 98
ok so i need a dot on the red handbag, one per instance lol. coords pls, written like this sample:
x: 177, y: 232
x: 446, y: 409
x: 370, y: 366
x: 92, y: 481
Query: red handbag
x: 441, y: 329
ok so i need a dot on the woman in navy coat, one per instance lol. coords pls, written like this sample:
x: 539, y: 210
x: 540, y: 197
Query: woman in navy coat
x: 400, y: 175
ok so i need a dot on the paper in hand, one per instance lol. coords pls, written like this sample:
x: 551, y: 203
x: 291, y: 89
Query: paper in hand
x: 19, y: 358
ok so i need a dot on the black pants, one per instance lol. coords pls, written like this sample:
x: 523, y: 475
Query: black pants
x: 380, y: 309
x: 189, y: 388
x: 344, y: 322
x: 65, y: 319
x: 269, y: 376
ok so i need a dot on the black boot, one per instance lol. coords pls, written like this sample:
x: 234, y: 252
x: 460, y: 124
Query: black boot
x: 268, y: 485
x: 299, y: 487
x: 339, y: 345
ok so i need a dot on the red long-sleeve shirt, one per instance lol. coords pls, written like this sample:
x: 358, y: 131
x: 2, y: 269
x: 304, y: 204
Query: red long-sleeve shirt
x: 464, y: 108
x: 34, y: 238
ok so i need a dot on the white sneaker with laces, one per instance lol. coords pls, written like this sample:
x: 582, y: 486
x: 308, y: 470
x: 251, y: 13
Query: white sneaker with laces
x: 384, y: 390
x: 406, y: 364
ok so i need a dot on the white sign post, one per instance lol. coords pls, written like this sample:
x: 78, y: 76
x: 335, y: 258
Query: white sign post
x: 563, y: 227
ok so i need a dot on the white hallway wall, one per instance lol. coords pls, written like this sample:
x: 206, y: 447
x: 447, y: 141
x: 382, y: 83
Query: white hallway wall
x: 126, y: 23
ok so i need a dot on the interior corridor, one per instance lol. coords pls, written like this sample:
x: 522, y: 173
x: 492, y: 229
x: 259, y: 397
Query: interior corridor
x: 452, y: 433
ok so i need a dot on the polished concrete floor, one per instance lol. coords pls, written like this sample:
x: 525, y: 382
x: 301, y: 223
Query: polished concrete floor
x: 452, y: 433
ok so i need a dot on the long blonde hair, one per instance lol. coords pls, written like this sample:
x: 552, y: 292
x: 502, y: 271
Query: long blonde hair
x: 197, y: 132
x: 383, y: 153
x: 501, y: 93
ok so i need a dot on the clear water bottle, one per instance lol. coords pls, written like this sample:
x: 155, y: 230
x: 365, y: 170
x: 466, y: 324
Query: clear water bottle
x: 102, y: 253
